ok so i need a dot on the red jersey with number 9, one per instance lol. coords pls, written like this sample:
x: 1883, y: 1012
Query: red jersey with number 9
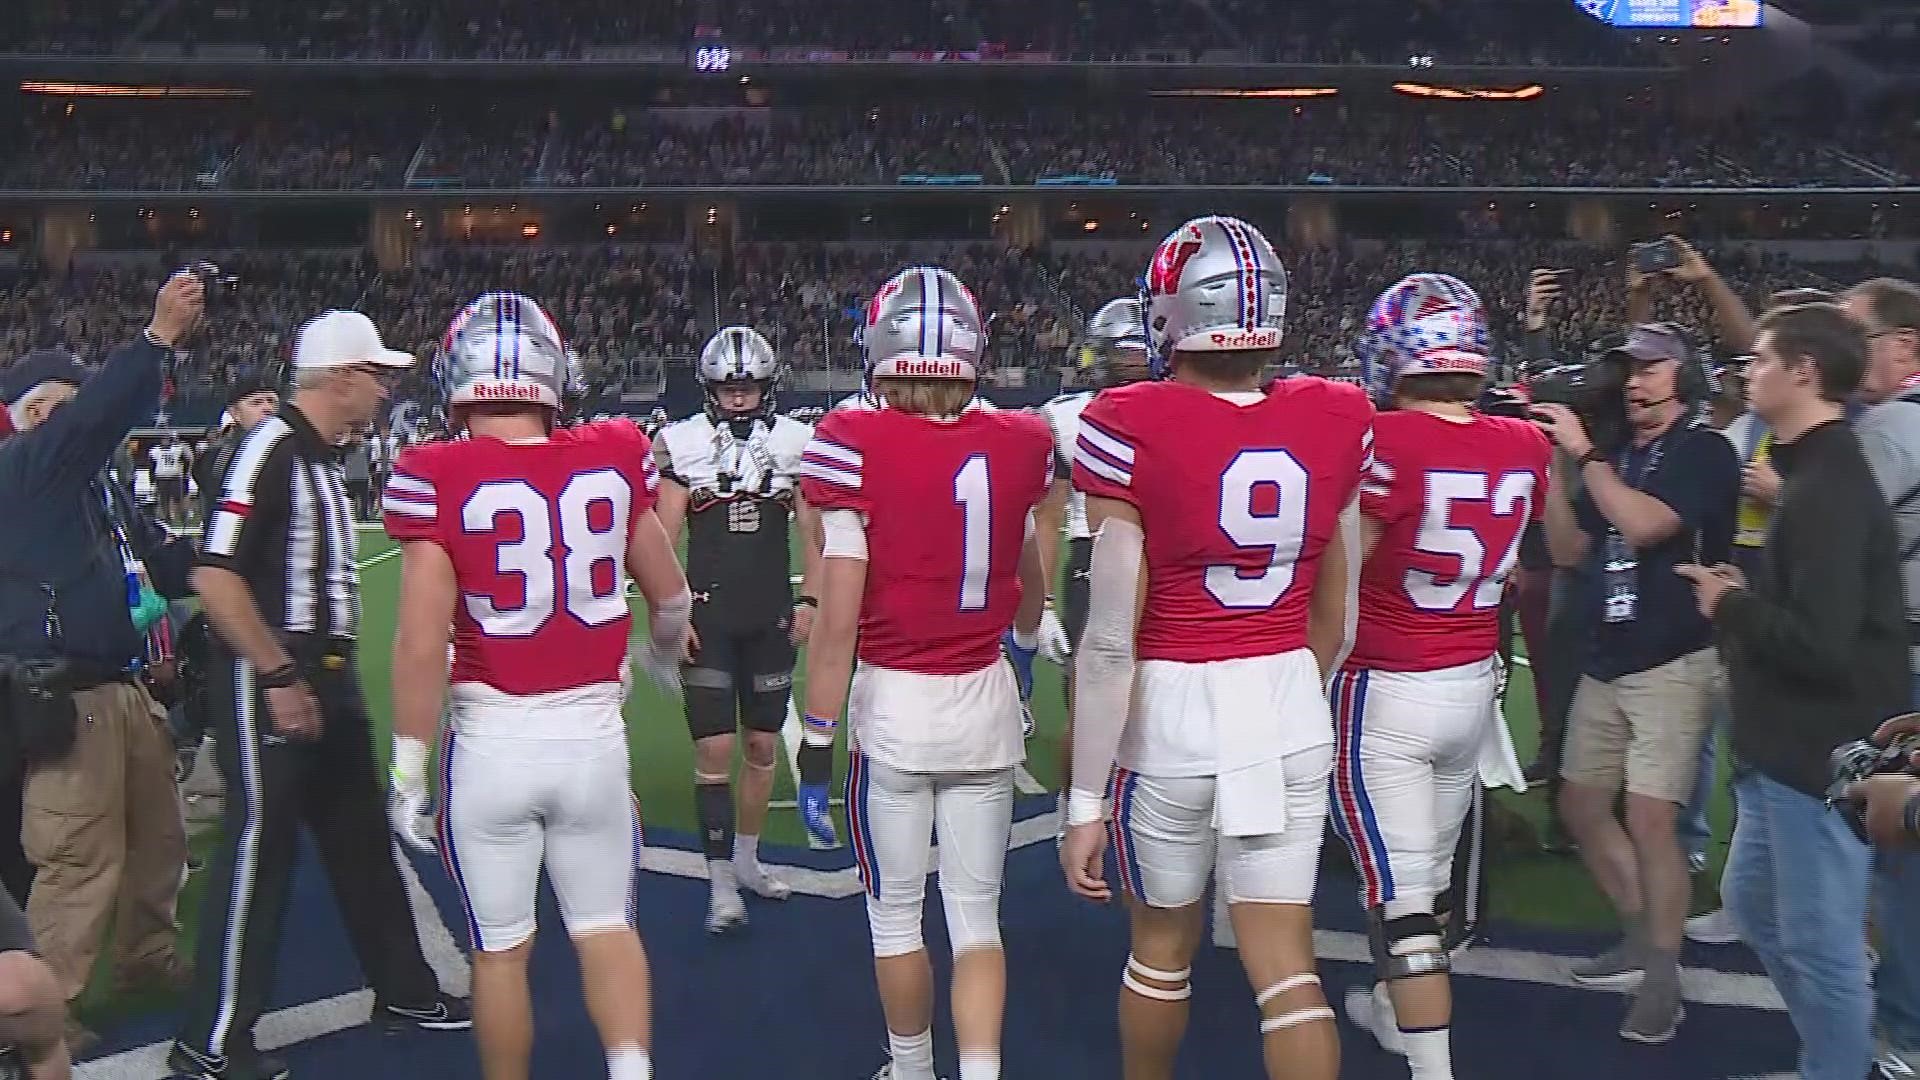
x: 1452, y: 499
x: 946, y: 505
x: 537, y: 533
x: 1237, y: 502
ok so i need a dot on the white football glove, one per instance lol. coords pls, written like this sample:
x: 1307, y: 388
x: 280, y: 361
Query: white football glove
x: 408, y: 809
x: 1054, y: 646
x: 662, y: 667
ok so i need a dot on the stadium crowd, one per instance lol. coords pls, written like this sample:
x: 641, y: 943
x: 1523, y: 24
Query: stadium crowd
x: 1377, y: 31
x: 1635, y: 141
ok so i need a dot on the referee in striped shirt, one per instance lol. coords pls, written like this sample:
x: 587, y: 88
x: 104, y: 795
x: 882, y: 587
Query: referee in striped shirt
x: 278, y: 581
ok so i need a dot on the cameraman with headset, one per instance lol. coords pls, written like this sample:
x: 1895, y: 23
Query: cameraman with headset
x: 1640, y: 711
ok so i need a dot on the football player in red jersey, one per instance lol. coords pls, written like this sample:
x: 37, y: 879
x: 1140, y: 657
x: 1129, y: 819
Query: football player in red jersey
x: 1442, y: 510
x: 1220, y: 588
x: 521, y: 537
x: 926, y: 506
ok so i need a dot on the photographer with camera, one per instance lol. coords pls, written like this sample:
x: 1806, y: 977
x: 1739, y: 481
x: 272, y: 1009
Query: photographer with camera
x: 101, y: 823
x: 1816, y: 649
x: 1658, y: 489
x: 1888, y: 804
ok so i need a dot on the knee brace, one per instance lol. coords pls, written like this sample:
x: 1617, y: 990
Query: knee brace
x: 973, y: 922
x: 1406, y: 944
x: 894, y: 922
x: 709, y: 697
x: 1311, y: 1014
x: 764, y: 707
x: 1136, y: 971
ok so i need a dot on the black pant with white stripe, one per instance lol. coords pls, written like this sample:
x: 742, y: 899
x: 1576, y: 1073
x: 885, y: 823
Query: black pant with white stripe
x: 273, y: 787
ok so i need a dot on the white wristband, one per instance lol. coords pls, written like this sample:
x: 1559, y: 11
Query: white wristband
x: 409, y: 758
x: 1085, y: 807
x: 1029, y: 642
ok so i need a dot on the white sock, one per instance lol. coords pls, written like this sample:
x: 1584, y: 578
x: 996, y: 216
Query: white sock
x: 746, y: 851
x: 720, y: 875
x: 1429, y: 1053
x: 912, y: 1055
x: 979, y: 1065
x: 629, y: 1063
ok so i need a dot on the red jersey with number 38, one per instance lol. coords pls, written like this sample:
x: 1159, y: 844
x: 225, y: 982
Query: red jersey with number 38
x: 1451, y: 499
x: 946, y: 505
x: 1237, y: 501
x: 537, y: 533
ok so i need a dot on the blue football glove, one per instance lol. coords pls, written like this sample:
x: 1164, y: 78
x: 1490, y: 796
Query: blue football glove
x: 1022, y: 659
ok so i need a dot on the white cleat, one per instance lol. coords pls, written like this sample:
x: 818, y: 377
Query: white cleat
x: 757, y: 880
x: 725, y: 912
x: 1364, y: 1012
x: 886, y: 1072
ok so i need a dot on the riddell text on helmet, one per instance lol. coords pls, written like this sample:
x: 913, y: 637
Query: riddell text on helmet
x: 1260, y: 338
x: 506, y: 392
x: 933, y: 369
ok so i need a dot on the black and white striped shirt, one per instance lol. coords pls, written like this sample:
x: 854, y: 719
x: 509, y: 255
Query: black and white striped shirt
x: 283, y: 522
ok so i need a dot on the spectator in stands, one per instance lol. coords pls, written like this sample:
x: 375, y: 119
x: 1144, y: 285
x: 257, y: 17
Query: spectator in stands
x: 1816, y: 649
x: 1639, y: 713
x: 101, y: 821
x: 1888, y: 311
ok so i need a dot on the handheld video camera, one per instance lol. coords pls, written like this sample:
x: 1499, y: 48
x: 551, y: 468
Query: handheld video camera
x: 1595, y: 390
x: 1858, y: 760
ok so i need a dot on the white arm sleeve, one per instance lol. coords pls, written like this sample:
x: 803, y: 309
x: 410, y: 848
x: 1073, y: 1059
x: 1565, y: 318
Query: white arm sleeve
x: 1350, y: 535
x: 1103, y: 674
x: 845, y: 534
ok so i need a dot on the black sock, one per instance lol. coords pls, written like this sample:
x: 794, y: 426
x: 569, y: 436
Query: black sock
x: 816, y: 764
x: 714, y: 804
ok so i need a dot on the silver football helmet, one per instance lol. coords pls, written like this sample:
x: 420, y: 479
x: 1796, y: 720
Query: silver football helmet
x: 739, y: 354
x: 503, y: 348
x: 924, y: 324
x: 1215, y: 285
x: 1116, y: 345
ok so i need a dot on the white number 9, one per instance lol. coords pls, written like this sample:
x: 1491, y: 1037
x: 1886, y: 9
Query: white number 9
x: 1282, y: 533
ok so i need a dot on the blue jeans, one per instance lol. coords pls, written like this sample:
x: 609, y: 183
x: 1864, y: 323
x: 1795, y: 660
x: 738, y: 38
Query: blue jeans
x: 1796, y: 886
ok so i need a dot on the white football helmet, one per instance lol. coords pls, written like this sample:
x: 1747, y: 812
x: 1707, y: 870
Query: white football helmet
x: 924, y: 324
x: 1116, y: 345
x: 739, y: 354
x: 1215, y: 285
x: 503, y: 348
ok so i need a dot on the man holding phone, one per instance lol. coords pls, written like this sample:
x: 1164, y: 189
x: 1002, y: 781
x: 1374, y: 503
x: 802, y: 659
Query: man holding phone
x: 1640, y: 711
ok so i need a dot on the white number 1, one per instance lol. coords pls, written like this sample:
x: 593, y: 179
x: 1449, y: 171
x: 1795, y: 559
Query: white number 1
x: 974, y: 493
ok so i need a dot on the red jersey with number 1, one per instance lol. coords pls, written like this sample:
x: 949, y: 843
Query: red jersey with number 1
x: 537, y: 533
x: 946, y: 505
x: 1237, y: 501
x: 1451, y: 499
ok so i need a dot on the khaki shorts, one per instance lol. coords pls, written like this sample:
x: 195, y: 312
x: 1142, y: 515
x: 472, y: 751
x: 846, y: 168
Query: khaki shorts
x: 1645, y: 729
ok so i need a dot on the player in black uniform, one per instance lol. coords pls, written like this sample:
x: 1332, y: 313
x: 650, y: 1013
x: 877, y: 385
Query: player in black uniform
x: 1115, y: 352
x: 730, y: 476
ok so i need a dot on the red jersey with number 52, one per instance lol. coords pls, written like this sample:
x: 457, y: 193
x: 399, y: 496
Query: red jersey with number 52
x: 1237, y: 501
x: 946, y: 505
x: 538, y: 537
x: 1451, y: 499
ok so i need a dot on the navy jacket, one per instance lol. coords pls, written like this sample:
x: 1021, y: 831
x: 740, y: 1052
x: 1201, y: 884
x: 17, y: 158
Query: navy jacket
x: 55, y: 528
